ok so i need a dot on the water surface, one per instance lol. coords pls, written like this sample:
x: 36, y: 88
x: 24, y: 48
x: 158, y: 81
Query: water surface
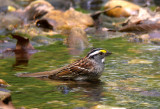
x: 131, y: 78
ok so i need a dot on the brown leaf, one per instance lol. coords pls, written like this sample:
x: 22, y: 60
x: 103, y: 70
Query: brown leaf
x: 144, y: 21
x: 2, y: 82
x: 140, y: 27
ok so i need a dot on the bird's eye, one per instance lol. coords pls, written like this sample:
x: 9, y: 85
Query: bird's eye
x: 101, y: 53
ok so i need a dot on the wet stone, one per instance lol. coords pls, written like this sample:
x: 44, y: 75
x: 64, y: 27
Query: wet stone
x: 4, y: 94
x: 5, y: 99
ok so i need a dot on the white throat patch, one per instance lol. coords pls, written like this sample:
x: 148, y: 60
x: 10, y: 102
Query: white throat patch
x: 103, y: 60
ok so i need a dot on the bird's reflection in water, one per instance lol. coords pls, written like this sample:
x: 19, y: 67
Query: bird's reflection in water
x: 93, y: 91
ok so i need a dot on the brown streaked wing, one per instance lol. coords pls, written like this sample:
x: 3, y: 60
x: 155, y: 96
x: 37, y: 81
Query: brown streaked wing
x: 64, y: 72
x: 86, y: 64
x: 81, y: 66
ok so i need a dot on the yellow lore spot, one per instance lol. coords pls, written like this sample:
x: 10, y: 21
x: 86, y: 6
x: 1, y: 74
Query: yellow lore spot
x: 103, y: 51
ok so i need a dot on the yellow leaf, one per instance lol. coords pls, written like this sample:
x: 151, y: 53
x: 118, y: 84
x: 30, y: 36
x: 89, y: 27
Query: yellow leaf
x: 2, y: 82
x: 106, y: 107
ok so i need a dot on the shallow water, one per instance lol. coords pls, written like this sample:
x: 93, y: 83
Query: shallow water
x: 131, y: 78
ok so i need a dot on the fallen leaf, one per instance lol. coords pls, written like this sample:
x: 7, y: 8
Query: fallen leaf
x: 140, y: 27
x: 2, y: 82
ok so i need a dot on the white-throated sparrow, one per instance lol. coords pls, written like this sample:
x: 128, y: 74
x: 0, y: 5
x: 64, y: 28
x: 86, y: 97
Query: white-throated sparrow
x: 88, y: 68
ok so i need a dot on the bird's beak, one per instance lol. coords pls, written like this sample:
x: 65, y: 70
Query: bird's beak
x: 108, y: 53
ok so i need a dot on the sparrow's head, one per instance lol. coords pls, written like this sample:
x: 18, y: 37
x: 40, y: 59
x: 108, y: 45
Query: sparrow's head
x: 98, y: 54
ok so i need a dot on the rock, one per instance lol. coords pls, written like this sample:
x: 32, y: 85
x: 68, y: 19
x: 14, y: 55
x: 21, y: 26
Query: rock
x: 104, y: 33
x: 144, y: 21
x: 5, y: 99
x: 142, y: 15
x: 152, y: 37
x: 37, y: 9
x: 16, y: 23
x: 22, y: 43
x: 126, y: 9
x: 4, y: 93
x: 52, y: 20
x: 9, y: 21
x: 82, y: 18
x: 67, y: 20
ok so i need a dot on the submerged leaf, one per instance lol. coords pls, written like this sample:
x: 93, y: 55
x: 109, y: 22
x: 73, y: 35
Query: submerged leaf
x: 106, y: 107
x: 139, y: 61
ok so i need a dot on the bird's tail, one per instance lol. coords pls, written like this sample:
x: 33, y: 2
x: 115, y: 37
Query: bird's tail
x: 40, y: 74
x: 37, y: 74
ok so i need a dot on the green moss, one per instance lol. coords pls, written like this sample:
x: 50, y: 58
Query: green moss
x: 82, y: 10
x: 57, y: 36
x: 153, y: 8
x: 4, y: 36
